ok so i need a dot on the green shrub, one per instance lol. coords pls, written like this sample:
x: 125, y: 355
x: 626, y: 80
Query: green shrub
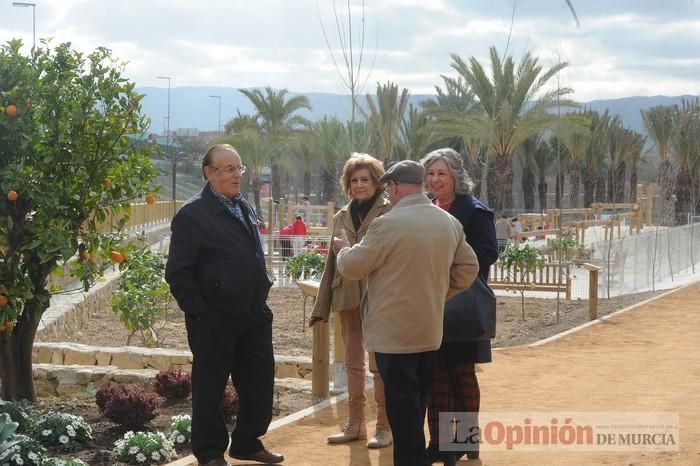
x: 143, y: 448
x: 306, y: 265
x: 62, y: 430
x: 19, y: 412
x: 26, y: 451
x: 181, y: 430
x: 142, y: 296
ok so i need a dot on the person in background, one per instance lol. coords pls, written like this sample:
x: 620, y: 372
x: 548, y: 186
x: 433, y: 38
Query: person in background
x: 360, y: 182
x: 504, y: 231
x: 286, y: 241
x: 299, y: 233
x: 414, y: 257
x: 455, y: 385
x: 216, y: 272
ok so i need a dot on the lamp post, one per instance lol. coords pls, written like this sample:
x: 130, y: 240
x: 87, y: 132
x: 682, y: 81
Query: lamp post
x: 26, y: 5
x: 167, y: 144
x: 218, y: 128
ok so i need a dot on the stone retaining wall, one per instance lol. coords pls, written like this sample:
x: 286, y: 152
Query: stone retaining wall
x: 136, y: 358
x: 51, y: 380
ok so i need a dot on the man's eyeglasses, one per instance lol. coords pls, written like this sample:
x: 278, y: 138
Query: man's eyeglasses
x: 230, y: 169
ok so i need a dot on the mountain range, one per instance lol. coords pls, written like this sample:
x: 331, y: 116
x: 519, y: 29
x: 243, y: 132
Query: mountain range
x: 193, y: 107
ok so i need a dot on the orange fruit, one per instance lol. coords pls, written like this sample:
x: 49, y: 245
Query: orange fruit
x: 12, y: 196
x: 107, y: 183
x: 9, y: 324
x: 92, y: 261
x: 151, y: 199
x: 85, y: 255
x: 3, y: 300
x: 11, y: 110
x: 117, y: 257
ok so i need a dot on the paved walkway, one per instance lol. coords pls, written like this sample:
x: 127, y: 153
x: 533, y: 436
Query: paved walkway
x: 644, y: 359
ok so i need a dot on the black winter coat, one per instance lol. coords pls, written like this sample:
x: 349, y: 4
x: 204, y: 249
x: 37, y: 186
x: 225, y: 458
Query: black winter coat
x: 216, y: 268
x: 480, y: 230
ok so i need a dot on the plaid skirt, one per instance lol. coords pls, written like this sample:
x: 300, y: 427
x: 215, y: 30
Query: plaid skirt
x: 455, y: 388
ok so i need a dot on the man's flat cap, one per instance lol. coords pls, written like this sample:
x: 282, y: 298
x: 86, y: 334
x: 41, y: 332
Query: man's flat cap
x: 405, y: 171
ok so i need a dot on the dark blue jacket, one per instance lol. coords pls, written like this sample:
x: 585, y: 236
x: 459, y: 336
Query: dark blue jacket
x: 479, y: 228
x: 216, y: 269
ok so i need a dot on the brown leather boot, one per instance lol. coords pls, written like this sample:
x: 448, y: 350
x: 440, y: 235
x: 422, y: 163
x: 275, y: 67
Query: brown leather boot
x: 353, y: 430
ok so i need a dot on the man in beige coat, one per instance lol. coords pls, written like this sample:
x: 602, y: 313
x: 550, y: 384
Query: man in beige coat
x: 414, y: 257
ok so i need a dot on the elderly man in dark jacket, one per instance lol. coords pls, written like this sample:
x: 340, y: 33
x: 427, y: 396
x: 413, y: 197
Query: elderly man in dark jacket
x: 216, y: 272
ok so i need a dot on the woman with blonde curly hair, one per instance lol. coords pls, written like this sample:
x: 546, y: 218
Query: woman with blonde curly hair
x: 360, y: 182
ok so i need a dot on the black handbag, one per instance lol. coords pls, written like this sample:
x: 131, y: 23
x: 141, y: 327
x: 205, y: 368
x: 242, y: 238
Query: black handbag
x: 470, y: 315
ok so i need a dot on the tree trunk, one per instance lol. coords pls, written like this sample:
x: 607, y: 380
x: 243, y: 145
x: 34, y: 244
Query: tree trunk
x: 542, y: 192
x: 500, y: 183
x: 328, y: 181
x: 684, y: 195
x: 574, y: 182
x: 589, y: 179
x: 666, y: 181
x: 307, y: 184
x: 276, y: 180
x: 633, y: 184
x: 528, y: 182
x: 255, y: 186
x: 16, y: 355
x: 600, y: 191
x: 619, y: 183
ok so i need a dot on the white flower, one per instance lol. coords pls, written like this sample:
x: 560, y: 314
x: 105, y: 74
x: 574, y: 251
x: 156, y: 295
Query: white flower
x: 46, y: 432
x: 155, y: 456
x: 140, y: 457
x: 133, y: 450
x: 189, y: 428
x: 33, y: 456
x: 18, y: 460
x: 63, y: 439
x: 180, y: 439
x: 70, y: 430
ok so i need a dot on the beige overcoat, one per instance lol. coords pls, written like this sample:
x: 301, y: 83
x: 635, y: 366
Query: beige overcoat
x: 335, y: 292
x: 414, y: 257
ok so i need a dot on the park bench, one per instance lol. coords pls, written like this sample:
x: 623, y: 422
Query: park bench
x: 545, y: 278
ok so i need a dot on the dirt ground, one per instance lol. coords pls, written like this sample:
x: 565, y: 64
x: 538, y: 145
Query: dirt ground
x: 642, y: 360
x: 291, y: 338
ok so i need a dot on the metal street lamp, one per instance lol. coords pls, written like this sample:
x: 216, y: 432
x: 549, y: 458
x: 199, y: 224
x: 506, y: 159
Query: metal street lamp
x: 218, y: 128
x: 26, y: 5
x: 167, y: 144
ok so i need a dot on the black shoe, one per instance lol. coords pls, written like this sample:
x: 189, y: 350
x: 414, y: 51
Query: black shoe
x: 262, y: 456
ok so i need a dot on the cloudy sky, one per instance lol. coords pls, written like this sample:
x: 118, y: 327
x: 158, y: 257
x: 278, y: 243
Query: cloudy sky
x: 622, y: 47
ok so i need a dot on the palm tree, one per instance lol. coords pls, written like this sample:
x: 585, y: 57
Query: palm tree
x: 447, y: 113
x: 526, y: 156
x: 660, y: 123
x: 333, y: 144
x: 416, y: 134
x: 575, y: 135
x: 687, y: 151
x: 305, y: 148
x: 514, y: 106
x: 386, y: 110
x: 623, y: 145
x: 593, y: 159
x: 543, y: 158
x: 276, y: 119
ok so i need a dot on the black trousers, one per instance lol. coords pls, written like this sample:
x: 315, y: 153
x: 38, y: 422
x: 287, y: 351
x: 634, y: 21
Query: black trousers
x: 245, y: 354
x: 407, y: 380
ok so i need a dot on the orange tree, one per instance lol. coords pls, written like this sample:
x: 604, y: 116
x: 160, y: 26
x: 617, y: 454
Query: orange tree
x: 68, y: 136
